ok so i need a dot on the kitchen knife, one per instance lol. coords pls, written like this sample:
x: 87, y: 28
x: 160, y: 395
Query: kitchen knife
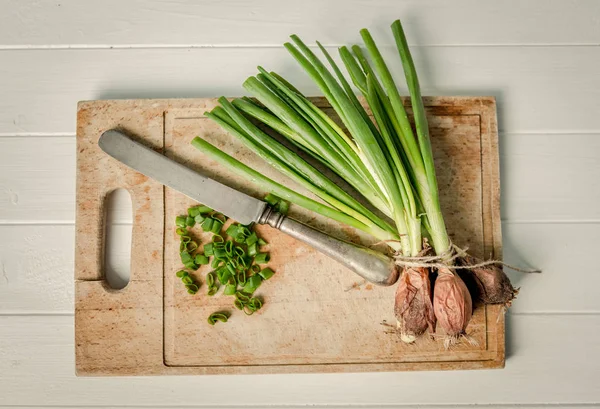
x: 369, y: 264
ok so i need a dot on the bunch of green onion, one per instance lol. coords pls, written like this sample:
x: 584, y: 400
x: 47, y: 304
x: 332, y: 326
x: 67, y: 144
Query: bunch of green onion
x: 383, y: 159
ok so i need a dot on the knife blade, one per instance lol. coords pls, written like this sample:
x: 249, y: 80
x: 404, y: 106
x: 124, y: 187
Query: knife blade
x: 369, y: 264
x: 232, y: 203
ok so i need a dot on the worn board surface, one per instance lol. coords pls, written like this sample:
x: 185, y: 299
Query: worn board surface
x: 318, y: 316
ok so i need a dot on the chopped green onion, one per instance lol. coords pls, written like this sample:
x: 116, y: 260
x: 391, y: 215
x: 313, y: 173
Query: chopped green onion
x: 217, y: 316
x: 220, y: 216
x: 255, y: 268
x: 253, y: 238
x: 193, y: 211
x: 180, y: 221
x: 252, y: 250
x: 208, y: 249
x: 266, y: 273
x: 245, y: 261
x: 252, y: 306
x: 239, y: 295
x: 217, y: 239
x: 238, y: 304
x: 220, y: 254
x: 230, y: 289
x: 207, y: 224
x: 235, y: 263
x: 231, y: 267
x: 233, y: 279
x: 186, y: 257
x: 217, y: 225
x: 261, y: 242
x: 201, y: 259
x: 181, y: 231
x: 204, y: 209
x: 223, y: 275
x: 191, y: 246
x: 241, y: 278
x: 217, y: 262
x: 239, y: 238
x: 189, y: 221
x: 200, y: 218
x: 262, y: 258
x: 185, y: 239
x: 210, y: 279
x: 232, y: 231
x: 198, y: 210
x: 255, y: 303
x: 213, y: 286
x: 192, y: 287
x: 252, y: 284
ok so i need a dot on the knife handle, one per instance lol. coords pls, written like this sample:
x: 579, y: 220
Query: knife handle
x: 371, y: 265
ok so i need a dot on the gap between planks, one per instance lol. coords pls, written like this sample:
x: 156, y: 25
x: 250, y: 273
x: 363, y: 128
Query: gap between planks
x: 35, y: 314
x: 325, y: 406
x: 37, y: 47
x: 534, y: 313
x: 128, y: 223
x: 16, y: 135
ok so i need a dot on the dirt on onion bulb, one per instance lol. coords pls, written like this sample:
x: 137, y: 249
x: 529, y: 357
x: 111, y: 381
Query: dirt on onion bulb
x: 452, y: 304
x: 492, y: 284
x: 413, y: 305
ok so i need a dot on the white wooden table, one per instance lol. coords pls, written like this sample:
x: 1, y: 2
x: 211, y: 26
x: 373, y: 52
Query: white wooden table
x: 540, y: 58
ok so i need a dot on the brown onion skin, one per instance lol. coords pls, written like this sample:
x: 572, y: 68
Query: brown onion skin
x: 452, y: 303
x: 413, y: 305
x: 492, y: 285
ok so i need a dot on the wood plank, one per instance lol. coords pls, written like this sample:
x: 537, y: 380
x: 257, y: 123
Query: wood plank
x: 42, y: 190
x: 37, y: 179
x: 208, y: 23
x: 37, y: 368
x: 36, y: 269
x: 562, y: 252
x: 550, y: 177
x: 533, y: 187
x: 41, y: 88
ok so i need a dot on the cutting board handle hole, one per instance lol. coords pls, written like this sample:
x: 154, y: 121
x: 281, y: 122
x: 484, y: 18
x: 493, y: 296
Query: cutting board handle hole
x: 117, y: 238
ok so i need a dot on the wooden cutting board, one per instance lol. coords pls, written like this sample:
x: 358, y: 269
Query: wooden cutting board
x: 318, y: 316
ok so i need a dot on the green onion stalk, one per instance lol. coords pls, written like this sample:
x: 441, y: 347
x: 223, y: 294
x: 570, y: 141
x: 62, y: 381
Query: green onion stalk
x: 376, y: 152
